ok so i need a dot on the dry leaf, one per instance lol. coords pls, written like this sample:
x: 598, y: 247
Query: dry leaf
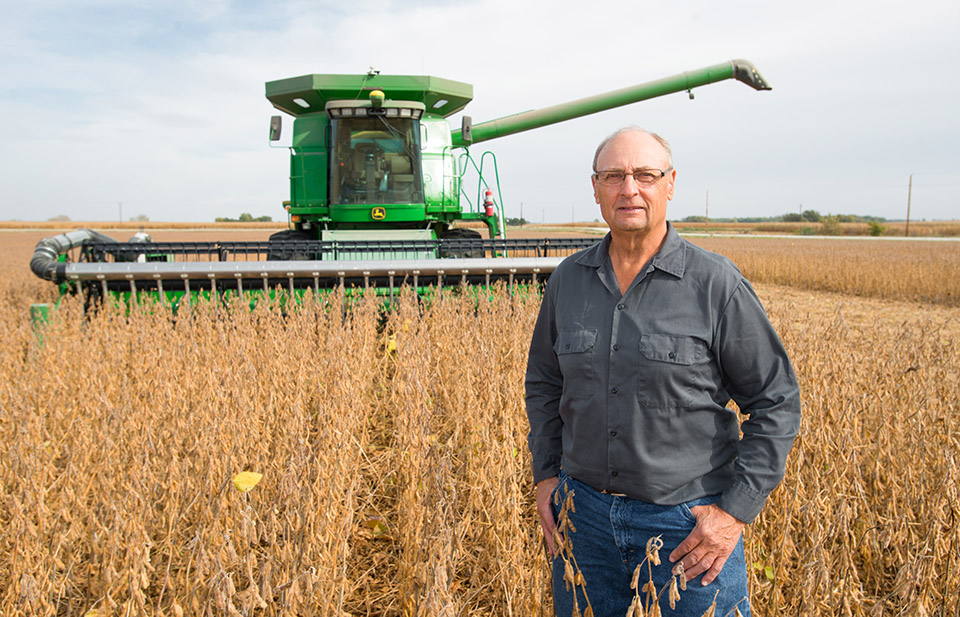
x: 246, y: 480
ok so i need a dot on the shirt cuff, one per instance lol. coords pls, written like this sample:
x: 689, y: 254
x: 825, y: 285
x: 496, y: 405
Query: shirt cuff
x: 742, y: 502
x: 545, y: 471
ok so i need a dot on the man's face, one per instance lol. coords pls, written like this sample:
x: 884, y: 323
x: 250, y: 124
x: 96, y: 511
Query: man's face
x: 629, y: 207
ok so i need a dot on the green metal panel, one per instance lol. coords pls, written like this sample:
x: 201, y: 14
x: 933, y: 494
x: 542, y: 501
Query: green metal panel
x: 367, y: 213
x: 308, y: 180
x: 310, y: 131
x: 39, y: 314
x: 310, y: 93
x: 308, y: 163
x: 39, y: 318
x: 739, y: 69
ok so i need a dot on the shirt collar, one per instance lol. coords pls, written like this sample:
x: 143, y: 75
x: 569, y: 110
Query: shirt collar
x: 671, y: 258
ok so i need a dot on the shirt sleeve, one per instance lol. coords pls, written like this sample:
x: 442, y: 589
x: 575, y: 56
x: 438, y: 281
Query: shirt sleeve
x: 760, y: 379
x: 544, y: 385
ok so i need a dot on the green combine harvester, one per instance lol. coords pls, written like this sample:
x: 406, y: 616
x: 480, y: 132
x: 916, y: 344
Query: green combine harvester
x: 377, y: 200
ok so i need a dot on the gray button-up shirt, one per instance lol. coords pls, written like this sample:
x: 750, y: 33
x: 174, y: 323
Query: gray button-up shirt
x: 628, y: 392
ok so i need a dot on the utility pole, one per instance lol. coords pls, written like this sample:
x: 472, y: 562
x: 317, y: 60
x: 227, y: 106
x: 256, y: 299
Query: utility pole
x: 707, y: 209
x: 521, y: 214
x: 120, y: 205
x: 909, y: 193
x: 573, y: 217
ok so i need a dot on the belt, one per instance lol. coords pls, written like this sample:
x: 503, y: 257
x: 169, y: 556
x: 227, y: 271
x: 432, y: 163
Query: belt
x: 600, y: 490
x: 611, y: 493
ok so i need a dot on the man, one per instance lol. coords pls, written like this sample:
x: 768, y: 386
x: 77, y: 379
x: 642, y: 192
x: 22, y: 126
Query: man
x: 640, y: 343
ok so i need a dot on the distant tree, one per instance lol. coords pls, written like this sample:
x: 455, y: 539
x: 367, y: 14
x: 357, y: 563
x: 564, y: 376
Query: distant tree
x: 876, y: 229
x: 245, y: 217
x: 695, y: 219
x: 792, y: 217
x: 516, y: 222
x: 830, y: 226
x: 60, y: 218
x: 140, y: 218
x: 811, y: 216
x: 845, y: 218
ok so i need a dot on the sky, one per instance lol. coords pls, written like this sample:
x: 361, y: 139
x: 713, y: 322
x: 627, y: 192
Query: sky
x: 120, y: 108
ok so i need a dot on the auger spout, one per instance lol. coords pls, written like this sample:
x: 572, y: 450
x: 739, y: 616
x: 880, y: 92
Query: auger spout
x: 741, y: 70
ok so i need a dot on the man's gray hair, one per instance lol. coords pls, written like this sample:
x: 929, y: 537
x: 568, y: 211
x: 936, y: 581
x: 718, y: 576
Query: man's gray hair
x: 633, y: 129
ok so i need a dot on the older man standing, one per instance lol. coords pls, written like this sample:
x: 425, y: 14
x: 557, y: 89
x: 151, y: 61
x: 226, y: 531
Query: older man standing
x: 640, y: 343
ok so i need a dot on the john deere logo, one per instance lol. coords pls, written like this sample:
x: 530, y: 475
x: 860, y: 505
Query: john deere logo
x: 379, y: 213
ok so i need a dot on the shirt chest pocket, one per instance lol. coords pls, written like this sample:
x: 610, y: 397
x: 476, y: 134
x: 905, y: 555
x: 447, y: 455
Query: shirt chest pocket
x: 672, y: 369
x: 574, y: 349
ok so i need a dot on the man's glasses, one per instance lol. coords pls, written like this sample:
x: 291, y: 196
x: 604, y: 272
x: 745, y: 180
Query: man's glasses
x: 643, y: 177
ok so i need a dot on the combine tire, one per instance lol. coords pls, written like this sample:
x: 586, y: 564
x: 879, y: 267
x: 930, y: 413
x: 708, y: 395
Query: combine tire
x: 463, y: 237
x: 282, y: 249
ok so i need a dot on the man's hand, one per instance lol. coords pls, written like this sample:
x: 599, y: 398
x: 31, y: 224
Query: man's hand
x: 544, y: 489
x: 710, y: 543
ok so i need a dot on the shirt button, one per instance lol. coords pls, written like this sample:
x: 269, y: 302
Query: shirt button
x: 620, y: 307
x: 613, y: 473
x: 613, y: 390
x: 613, y: 433
x: 616, y: 347
x: 567, y: 346
x: 672, y: 355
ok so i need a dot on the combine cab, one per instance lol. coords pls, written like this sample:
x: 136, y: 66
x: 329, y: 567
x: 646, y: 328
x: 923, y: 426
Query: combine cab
x: 377, y: 199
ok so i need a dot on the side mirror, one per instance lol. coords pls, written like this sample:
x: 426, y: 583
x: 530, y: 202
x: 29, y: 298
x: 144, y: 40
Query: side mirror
x: 466, y: 129
x: 275, y: 126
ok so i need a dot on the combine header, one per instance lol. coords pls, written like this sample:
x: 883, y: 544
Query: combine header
x: 376, y: 195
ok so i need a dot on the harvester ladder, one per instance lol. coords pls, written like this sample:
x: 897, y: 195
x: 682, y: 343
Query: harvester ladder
x: 481, y: 184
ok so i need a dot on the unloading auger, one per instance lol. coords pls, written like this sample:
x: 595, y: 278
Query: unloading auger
x: 377, y: 199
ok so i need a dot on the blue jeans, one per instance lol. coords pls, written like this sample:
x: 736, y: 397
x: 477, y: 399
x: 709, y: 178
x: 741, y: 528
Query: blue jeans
x: 610, y: 540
